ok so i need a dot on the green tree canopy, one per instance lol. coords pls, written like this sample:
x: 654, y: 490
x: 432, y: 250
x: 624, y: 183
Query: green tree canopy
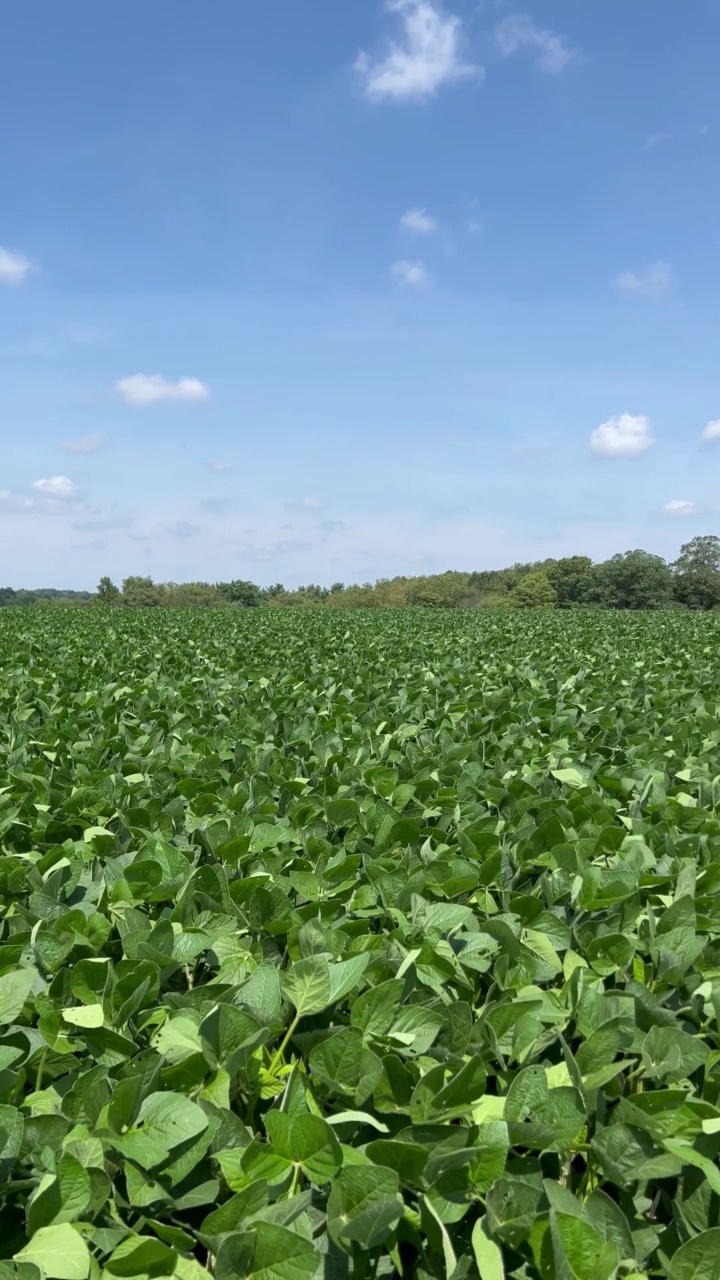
x: 534, y: 591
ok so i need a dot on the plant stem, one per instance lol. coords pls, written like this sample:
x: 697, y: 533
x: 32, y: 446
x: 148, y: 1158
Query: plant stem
x: 41, y: 1068
x: 284, y: 1043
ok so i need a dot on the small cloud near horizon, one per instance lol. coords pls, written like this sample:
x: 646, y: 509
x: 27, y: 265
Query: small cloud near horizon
x: 680, y: 507
x: 151, y: 388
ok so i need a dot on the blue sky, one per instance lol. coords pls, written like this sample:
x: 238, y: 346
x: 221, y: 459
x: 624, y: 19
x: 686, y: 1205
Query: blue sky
x: 312, y: 292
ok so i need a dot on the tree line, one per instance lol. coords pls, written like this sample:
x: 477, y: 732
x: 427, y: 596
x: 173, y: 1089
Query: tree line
x: 629, y: 580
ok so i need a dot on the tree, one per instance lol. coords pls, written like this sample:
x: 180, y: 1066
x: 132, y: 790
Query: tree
x: 534, y: 591
x: 702, y: 552
x: 631, y: 580
x: 240, y: 592
x: 141, y: 593
x: 107, y: 592
x: 570, y: 578
x: 697, y: 573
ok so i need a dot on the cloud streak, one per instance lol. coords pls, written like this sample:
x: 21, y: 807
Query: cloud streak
x: 518, y: 31
x: 86, y: 444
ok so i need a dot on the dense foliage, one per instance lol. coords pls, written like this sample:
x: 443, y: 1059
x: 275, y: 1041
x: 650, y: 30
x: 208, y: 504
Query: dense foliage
x: 632, y: 580
x: 383, y: 945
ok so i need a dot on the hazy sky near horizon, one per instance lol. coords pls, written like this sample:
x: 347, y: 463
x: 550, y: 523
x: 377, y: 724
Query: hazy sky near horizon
x: 304, y: 292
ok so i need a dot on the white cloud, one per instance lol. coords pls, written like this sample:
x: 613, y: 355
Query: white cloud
x: 623, y: 436
x: 653, y: 282
x: 57, y: 489
x: 711, y: 432
x: 679, y: 507
x: 220, y: 466
x: 151, y: 388
x: 86, y: 444
x: 518, y: 31
x: 473, y: 227
x: 428, y: 55
x: 54, y: 493
x: 419, y: 221
x: 410, y: 274
x: 14, y: 267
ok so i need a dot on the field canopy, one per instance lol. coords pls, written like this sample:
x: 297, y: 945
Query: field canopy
x: 383, y: 944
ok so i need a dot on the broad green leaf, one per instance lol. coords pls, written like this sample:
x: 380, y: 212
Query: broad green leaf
x: 14, y: 991
x: 363, y: 1206
x: 59, y: 1251
x: 307, y: 985
x: 698, y: 1259
x: 165, y: 1121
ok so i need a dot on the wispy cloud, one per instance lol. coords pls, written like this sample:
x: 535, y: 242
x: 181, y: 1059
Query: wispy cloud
x: 220, y: 466
x: 87, y: 444
x: 103, y: 525
x: 419, y: 221
x: 680, y: 507
x: 182, y: 529
x: 411, y: 275
x: 652, y: 282
x: 152, y: 388
x: 306, y: 504
x: 429, y: 54
x: 656, y: 139
x: 710, y: 434
x: 518, y: 31
x: 623, y: 436
x: 14, y: 267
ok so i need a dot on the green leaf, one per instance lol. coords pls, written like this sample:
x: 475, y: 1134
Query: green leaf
x: 165, y: 1121
x: 14, y: 991
x: 63, y: 1198
x: 698, y: 1259
x: 363, y: 1206
x: 307, y: 1141
x: 488, y: 1255
x: 59, y: 1251
x: 268, y: 1252
x: 138, y: 1255
x: 307, y: 985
